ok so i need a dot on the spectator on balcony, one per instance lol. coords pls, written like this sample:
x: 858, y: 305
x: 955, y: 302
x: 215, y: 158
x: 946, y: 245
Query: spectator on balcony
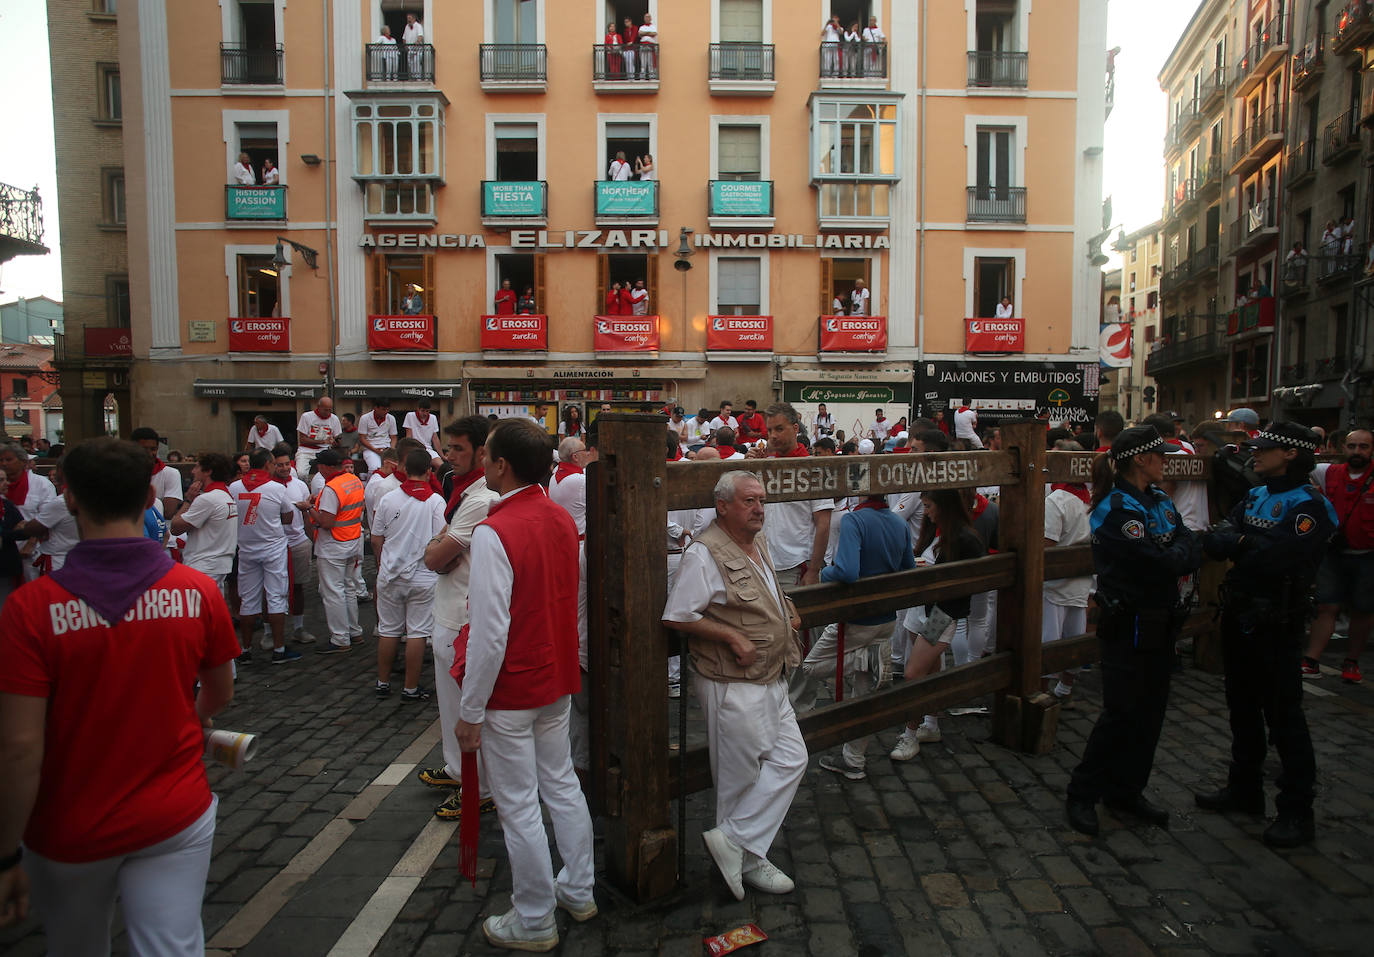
x: 614, y: 61
x: 1295, y: 263
x: 504, y: 299
x: 1331, y: 244
x: 859, y: 299
x: 414, y: 39
x: 837, y: 306
x: 413, y: 304
x: 1348, y: 236
x: 644, y: 166
x: 243, y: 171
x: 1005, y: 310
x: 831, y: 36
x: 619, y: 170
x: 639, y: 299
x: 613, y: 300
x: 648, y: 48
x: 873, y: 38
x: 390, y: 58
x: 629, y: 35
x: 525, y: 305
x: 271, y: 176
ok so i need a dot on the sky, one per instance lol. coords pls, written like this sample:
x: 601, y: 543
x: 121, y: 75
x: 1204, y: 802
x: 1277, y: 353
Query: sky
x: 1145, y: 31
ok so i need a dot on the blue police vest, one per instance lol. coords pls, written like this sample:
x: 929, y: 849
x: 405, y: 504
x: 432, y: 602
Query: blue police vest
x: 1266, y: 509
x: 1160, y: 519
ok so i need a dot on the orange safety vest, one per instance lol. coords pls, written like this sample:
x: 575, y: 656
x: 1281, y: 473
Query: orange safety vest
x: 348, y: 524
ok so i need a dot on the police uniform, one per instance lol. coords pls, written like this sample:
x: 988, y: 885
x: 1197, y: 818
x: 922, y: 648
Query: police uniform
x: 1141, y: 551
x: 1276, y: 539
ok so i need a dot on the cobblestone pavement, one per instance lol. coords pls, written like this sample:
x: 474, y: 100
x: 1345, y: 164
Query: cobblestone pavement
x: 326, y: 844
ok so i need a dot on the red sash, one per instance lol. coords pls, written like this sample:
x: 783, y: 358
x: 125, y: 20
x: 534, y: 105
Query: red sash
x: 417, y: 489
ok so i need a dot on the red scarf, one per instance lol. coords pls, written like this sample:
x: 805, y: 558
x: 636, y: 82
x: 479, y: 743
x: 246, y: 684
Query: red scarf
x: 416, y: 488
x: 158, y: 465
x: 882, y: 418
x: 19, y: 488
x: 254, y: 478
x: 870, y: 503
x: 379, y: 416
x: 902, y: 449
x: 799, y: 451
x: 1077, y: 489
x: 461, y: 483
x: 980, y: 505
x: 564, y: 470
x: 435, y: 485
x: 212, y: 486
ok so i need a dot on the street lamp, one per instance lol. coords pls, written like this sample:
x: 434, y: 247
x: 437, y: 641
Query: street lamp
x: 279, y: 261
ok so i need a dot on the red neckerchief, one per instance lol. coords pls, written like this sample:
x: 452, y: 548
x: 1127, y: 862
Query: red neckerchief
x: 435, y: 485
x: 882, y: 418
x: 1077, y: 489
x: 254, y: 478
x: 213, y: 486
x: 677, y: 454
x: 262, y: 429
x: 1104, y: 448
x: 350, y: 428
x: 378, y: 416
x: 980, y: 505
x: 159, y: 465
x: 902, y: 449
x: 564, y: 470
x: 461, y: 483
x: 19, y: 488
x: 417, y: 488
x: 799, y: 451
x: 870, y: 503
x: 965, y: 408
x: 503, y: 502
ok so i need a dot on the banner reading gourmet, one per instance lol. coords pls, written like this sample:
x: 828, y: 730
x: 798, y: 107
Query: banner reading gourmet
x: 995, y: 335
x: 626, y: 334
x: 515, y: 332
x: 260, y: 335
x: 739, y: 333
x: 853, y: 333
x: 401, y: 333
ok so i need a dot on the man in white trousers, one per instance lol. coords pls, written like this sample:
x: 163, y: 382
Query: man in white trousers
x: 758, y: 756
x: 517, y: 666
x: 298, y: 544
x: 337, y: 516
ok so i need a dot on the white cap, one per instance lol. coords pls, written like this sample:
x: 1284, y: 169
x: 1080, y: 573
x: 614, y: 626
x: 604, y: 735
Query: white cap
x: 902, y: 436
x: 865, y: 446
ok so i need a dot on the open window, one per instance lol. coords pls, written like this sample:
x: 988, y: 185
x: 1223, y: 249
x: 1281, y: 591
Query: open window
x: 525, y: 271
x: 632, y: 139
x: 626, y: 269
x: 517, y: 151
x: 396, y: 277
x: 251, y: 52
x: 837, y: 282
x: 993, y: 278
x: 259, y: 286
x: 259, y: 141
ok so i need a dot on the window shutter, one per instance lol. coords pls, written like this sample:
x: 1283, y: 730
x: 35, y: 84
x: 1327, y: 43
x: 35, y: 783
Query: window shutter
x: 651, y: 284
x: 540, y: 303
x: 827, y: 285
x: 427, y: 280
x: 603, y: 282
x: 378, y: 263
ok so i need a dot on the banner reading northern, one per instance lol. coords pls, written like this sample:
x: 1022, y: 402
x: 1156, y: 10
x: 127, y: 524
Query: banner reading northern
x: 401, y: 333
x: 626, y: 334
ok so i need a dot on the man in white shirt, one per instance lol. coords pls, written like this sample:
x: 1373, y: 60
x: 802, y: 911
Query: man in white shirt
x: 423, y: 426
x: 337, y: 515
x: 28, y: 491
x: 619, y: 169
x: 680, y: 427
x: 966, y: 424
x: 381, y: 481
x: 699, y: 428
x: 407, y: 519
x: 648, y: 48
x: 798, y: 532
x: 298, y: 545
x: 1065, y: 612
x: 167, y: 481
x: 725, y: 444
x: 262, y: 512
x: 263, y: 435
x: 880, y: 428
x: 413, y: 36
x: 376, y: 432
x: 53, y: 527
x: 209, y: 518
x: 316, y: 431
x: 568, y: 486
x: 873, y: 58
x: 724, y: 419
x: 859, y: 299
x: 639, y: 299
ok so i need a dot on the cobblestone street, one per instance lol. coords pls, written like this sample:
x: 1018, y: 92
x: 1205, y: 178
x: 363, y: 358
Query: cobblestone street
x: 326, y: 844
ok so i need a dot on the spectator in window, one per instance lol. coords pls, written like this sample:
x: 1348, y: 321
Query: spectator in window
x: 525, y: 306
x: 831, y: 35
x: 629, y: 35
x: 852, y: 37
x: 620, y: 170
x: 413, y: 304
x: 837, y: 306
x: 271, y: 176
x: 504, y: 300
x: 858, y: 299
x: 644, y: 166
x: 1347, y: 235
x: 1005, y: 310
x: 1295, y: 263
x: 613, y: 300
x: 414, y: 38
x: 873, y: 38
x: 648, y: 48
x: 639, y: 299
x: 243, y: 171
x: 614, y: 62
x: 390, y: 58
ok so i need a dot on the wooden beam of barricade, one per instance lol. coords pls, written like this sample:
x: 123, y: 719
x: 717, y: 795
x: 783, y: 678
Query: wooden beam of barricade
x: 692, y: 484
x: 822, y: 604
x: 1068, y: 561
x: 837, y: 723
x: 1078, y: 467
x: 627, y: 569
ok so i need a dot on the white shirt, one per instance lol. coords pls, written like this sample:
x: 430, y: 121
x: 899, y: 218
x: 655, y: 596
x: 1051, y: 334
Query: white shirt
x: 377, y: 486
x: 700, y: 585
x: 729, y: 422
x: 836, y: 518
x: 965, y: 423
x: 648, y: 33
x: 736, y: 454
x: 326, y: 545
x: 41, y: 490
x: 270, y: 177
x: 1005, y: 311
x: 323, y: 431
x: 317, y: 484
x: 381, y: 433
x: 167, y: 484
x: 858, y: 302
x: 407, y: 524
x: 791, y: 529
x: 62, y: 532
x: 1066, y: 523
x: 830, y: 33
x: 296, y: 491
x: 619, y: 170
x: 243, y: 175
x: 824, y: 425
x: 383, y: 38
x: 639, y: 299
x: 571, y: 494
x: 268, y: 440
x: 881, y: 429
x: 697, y: 429
x: 451, y: 590
x: 424, y: 431
x: 414, y: 33
x: 874, y: 35
x: 909, y: 508
x: 214, y: 533
x: 259, y: 512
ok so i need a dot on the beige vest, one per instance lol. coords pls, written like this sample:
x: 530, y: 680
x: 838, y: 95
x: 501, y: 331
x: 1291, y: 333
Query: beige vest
x: 749, y: 608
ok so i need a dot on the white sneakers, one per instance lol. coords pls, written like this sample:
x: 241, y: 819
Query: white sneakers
x: 908, y: 746
x: 578, y: 912
x: 762, y: 875
x: 506, y: 931
x: 766, y: 877
x: 927, y: 735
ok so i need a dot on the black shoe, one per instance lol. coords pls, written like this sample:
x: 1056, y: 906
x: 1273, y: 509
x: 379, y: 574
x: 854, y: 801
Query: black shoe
x: 245, y: 657
x: 1138, y: 806
x: 1289, y: 831
x: 1082, y: 817
x: 1230, y: 799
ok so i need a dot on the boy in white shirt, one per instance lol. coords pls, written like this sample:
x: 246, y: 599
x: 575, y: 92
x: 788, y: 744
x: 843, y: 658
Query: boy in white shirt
x: 377, y: 432
x: 383, y: 479
x: 262, y: 512
x: 407, y: 519
x: 209, y: 518
x: 422, y: 426
x: 298, y: 546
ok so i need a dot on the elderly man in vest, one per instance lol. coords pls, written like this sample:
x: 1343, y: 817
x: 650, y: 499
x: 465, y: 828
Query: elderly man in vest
x: 337, y: 516
x: 742, y: 631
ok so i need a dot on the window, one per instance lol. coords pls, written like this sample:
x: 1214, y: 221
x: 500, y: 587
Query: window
x: 525, y: 272
x: 394, y: 277
x: 111, y: 97
x: 398, y: 156
x: 517, y: 151
x: 19, y: 388
x: 634, y: 139
x: 854, y: 156
x: 251, y: 52
x: 118, y: 312
x: 1133, y: 252
x: 626, y: 269
x: 259, y: 286
x: 1297, y: 340
x: 996, y: 168
x: 993, y: 278
x: 112, y: 196
x: 1340, y: 330
x: 517, y: 21
x: 838, y: 277
x: 259, y: 140
x: 994, y: 26
x: 739, y: 153
x: 741, y: 21
x: 105, y: 6
x: 739, y: 286
x: 1132, y: 289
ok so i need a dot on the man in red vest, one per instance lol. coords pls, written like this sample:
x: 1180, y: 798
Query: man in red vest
x: 517, y: 665
x: 1346, y: 576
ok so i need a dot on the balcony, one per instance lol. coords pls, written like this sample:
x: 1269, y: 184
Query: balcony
x: 21, y: 223
x: 1254, y: 143
x: 1252, y: 316
x: 996, y: 204
x: 1209, y: 178
x: 1332, y: 266
x: 1173, y: 141
x: 1294, y: 279
x: 1184, y: 198
x: 630, y: 202
x: 841, y: 337
x: 390, y: 63
x: 614, y: 336
x: 1331, y: 367
x: 1174, y: 356
x: 1173, y: 279
x: 507, y: 203
x: 1265, y: 52
x: 1189, y: 120
x: 270, y: 334
x: 1256, y: 226
x: 1300, y: 166
x: 514, y: 67
x: 403, y: 336
x: 1206, y: 261
x: 739, y: 68
x: 1354, y: 27
x: 250, y: 203
x: 628, y: 68
x: 850, y: 65
x: 1340, y: 139
x: 1213, y: 90
x: 1308, y: 64
x: 998, y: 69
x: 245, y: 66
x: 740, y: 204
x: 1295, y: 374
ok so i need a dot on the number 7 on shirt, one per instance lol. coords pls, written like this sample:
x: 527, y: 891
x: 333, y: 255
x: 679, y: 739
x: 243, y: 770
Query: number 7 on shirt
x: 250, y: 516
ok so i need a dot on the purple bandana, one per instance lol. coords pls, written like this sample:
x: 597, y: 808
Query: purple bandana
x: 111, y: 574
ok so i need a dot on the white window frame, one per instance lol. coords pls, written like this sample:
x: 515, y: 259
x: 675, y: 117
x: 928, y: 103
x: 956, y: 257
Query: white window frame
x: 813, y: 151
x: 229, y: 25
x: 489, y: 21
x: 767, y: 20
x: 1018, y: 270
x: 231, y: 274
x: 1023, y: 11
x: 1020, y: 124
x: 603, y: 120
x: 759, y: 120
x: 494, y: 120
x: 230, y: 119
x: 419, y: 99
x: 713, y: 281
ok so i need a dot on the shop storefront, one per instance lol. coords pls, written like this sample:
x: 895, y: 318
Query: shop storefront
x: 850, y: 395
x: 1012, y: 389
x: 546, y: 392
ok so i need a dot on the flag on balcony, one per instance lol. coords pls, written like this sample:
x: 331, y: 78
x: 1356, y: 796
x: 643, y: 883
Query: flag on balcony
x: 1114, y: 345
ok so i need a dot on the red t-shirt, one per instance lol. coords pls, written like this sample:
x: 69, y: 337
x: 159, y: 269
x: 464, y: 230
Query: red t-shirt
x: 122, y: 766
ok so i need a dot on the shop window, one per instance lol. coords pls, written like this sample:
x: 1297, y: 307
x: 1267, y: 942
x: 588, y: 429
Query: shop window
x: 259, y: 286
x: 118, y: 310
x: 739, y: 286
x: 395, y: 277
x: 110, y: 93
x: 112, y: 196
x: 837, y: 282
x: 526, y: 274
x: 626, y: 268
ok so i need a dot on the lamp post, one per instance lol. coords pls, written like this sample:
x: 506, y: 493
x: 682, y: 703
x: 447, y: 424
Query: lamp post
x: 279, y: 261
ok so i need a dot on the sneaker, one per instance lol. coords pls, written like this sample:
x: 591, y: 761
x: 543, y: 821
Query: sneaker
x: 674, y: 690
x: 266, y: 643
x: 333, y: 648
x: 245, y: 657
x: 1350, y: 671
x: 840, y: 766
x: 285, y: 655
x: 766, y: 877
x: 1065, y: 700
x: 507, y: 932
x: 1310, y: 668
x: 927, y: 735
x: 438, y: 777
x: 907, y: 746
x: 383, y: 689
x: 363, y: 599
x: 729, y: 858
x: 452, y: 808
x: 305, y: 637
x: 578, y: 912
x: 414, y: 694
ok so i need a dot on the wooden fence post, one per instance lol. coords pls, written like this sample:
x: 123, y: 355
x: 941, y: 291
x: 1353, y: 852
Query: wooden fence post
x: 1024, y: 717
x: 627, y: 653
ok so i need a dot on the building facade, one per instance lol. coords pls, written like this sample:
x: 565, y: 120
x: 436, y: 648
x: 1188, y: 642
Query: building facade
x: 917, y: 180
x: 1126, y: 387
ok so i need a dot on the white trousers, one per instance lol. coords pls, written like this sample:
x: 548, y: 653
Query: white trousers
x: 258, y: 575
x: 982, y: 627
x: 372, y: 460
x: 674, y: 661
x: 867, y: 655
x: 159, y: 889
x: 338, y: 592
x: 1062, y: 621
x: 527, y: 758
x: 758, y: 757
x: 304, y: 459
x: 450, y: 696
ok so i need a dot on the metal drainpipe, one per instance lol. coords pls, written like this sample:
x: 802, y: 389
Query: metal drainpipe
x: 331, y: 276
x: 921, y: 225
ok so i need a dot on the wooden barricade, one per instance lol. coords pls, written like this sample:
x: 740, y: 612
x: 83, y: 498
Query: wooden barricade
x: 629, y: 491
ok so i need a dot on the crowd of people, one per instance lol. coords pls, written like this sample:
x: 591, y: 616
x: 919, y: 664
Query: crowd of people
x: 478, y: 530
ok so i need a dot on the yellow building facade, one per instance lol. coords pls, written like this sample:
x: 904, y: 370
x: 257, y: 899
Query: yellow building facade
x: 950, y: 160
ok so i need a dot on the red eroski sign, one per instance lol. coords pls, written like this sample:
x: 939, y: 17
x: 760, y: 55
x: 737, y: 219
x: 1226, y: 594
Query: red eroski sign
x: 626, y: 333
x: 400, y: 333
x: 994, y: 335
x: 515, y: 332
x: 260, y: 335
x: 739, y: 333
x: 853, y: 333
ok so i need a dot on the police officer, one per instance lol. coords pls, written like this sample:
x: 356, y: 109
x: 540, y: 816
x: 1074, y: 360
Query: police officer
x: 1141, y: 550
x: 1276, y: 538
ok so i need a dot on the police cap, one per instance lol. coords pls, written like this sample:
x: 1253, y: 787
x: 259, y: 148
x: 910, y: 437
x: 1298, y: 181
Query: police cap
x: 1136, y: 441
x: 1286, y: 435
